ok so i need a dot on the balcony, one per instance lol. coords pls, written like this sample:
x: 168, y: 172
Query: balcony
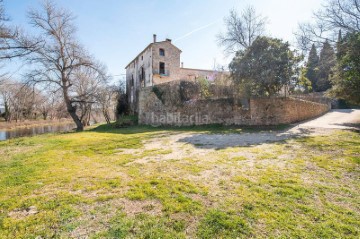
x: 163, y: 73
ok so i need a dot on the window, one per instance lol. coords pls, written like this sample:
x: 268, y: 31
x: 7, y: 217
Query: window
x: 162, y: 52
x: 142, y: 77
x: 132, y: 80
x: 142, y: 73
x: 162, y: 68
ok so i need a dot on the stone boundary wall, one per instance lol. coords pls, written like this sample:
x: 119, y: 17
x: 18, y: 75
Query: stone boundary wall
x: 318, y: 97
x: 169, y: 110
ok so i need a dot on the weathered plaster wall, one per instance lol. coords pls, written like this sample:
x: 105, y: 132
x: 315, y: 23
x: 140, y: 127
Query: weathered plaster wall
x: 171, y: 60
x: 258, y: 111
x: 133, y: 71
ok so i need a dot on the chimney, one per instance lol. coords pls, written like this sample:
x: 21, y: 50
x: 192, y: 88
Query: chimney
x: 154, y: 36
x: 182, y: 64
x: 169, y: 40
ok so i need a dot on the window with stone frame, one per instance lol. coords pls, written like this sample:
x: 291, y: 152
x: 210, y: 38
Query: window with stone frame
x: 161, y: 52
x: 162, y: 68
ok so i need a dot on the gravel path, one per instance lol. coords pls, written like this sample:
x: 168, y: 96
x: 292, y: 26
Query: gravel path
x: 335, y: 119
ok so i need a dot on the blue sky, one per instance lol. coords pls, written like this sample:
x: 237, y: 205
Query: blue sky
x: 114, y: 31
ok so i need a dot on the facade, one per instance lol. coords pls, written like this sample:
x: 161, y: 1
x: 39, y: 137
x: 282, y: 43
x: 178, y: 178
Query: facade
x: 158, y: 63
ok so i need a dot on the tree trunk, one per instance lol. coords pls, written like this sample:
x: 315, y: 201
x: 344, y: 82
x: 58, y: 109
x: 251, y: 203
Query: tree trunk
x: 106, y: 116
x: 45, y: 115
x: 7, y: 113
x: 86, y: 115
x: 72, y: 110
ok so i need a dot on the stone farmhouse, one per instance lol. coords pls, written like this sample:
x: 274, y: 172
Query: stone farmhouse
x: 159, y: 63
x: 162, y: 92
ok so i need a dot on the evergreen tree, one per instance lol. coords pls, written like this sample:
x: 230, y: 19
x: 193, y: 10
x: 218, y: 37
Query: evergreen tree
x: 339, y: 41
x: 304, y: 82
x: 326, y: 63
x: 340, y: 47
x: 346, y: 77
x: 264, y: 68
x: 312, y: 66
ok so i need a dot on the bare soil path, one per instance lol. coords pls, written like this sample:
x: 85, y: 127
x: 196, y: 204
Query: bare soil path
x: 333, y: 120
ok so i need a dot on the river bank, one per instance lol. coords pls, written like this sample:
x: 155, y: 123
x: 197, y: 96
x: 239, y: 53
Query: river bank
x: 31, y: 123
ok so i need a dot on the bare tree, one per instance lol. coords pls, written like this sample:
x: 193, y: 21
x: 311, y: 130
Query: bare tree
x: 13, y: 42
x: 23, y: 102
x: 53, y: 105
x: 18, y: 100
x: 241, y: 30
x: 88, y: 84
x: 60, y: 56
x: 6, y: 90
x: 106, y: 98
x: 335, y: 16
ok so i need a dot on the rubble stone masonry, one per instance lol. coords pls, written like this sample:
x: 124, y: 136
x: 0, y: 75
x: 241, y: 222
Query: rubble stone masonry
x: 226, y: 111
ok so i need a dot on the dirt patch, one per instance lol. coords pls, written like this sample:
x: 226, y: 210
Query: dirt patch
x: 20, y: 214
x: 221, y: 141
x: 94, y: 218
x: 151, y: 207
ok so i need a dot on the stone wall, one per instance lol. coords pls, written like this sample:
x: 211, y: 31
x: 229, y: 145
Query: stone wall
x: 275, y: 111
x: 219, y: 77
x: 192, y: 74
x: 166, y: 107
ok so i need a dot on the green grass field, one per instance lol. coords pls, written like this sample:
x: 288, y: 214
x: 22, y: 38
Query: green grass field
x: 105, y: 183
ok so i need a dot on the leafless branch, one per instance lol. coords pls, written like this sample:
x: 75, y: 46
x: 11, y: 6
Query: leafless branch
x: 335, y: 15
x: 241, y: 30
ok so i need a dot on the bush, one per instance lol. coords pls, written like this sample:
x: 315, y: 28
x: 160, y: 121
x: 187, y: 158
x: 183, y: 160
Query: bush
x: 126, y: 121
x: 204, y: 86
x: 159, y: 93
x: 122, y: 107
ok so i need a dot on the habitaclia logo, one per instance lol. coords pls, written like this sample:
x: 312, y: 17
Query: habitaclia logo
x: 178, y: 119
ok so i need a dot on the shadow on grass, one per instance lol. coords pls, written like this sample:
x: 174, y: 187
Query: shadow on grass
x: 207, y: 129
x: 355, y: 127
x: 247, y: 139
x: 217, y: 136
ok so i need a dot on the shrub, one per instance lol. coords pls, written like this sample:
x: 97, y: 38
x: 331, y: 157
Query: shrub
x: 126, y: 121
x: 204, y: 86
x: 159, y: 93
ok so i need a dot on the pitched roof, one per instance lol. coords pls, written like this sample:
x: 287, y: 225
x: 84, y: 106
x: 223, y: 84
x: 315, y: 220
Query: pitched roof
x: 148, y: 47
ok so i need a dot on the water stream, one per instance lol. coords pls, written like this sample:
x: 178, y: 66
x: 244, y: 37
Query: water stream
x: 35, y: 130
